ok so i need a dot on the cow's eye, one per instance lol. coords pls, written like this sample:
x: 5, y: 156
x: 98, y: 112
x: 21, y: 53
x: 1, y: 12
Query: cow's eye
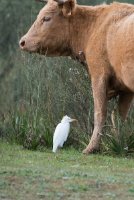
x: 46, y: 19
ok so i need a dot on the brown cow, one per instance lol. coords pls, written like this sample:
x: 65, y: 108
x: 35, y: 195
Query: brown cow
x: 101, y: 36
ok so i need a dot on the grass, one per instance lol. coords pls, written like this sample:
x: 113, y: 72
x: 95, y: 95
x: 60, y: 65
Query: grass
x: 69, y: 175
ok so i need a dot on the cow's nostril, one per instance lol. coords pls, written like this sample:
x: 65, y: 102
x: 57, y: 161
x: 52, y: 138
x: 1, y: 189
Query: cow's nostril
x: 22, y: 43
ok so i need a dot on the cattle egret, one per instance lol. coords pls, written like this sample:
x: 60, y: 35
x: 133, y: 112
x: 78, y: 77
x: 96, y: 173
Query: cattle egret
x: 61, y: 132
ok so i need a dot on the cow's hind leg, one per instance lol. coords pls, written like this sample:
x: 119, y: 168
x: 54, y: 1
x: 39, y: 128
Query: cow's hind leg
x: 125, y: 101
x: 127, y: 73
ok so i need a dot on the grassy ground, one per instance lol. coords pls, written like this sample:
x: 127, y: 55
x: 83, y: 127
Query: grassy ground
x: 66, y: 175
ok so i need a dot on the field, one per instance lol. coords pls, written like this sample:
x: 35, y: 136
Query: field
x: 36, y: 92
x: 68, y: 174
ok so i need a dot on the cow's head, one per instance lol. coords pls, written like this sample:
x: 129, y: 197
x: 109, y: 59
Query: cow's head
x: 50, y: 32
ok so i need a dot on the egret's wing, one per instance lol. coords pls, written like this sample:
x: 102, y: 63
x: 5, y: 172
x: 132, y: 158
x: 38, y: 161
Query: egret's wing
x: 67, y: 127
x: 57, y: 132
x: 55, y: 139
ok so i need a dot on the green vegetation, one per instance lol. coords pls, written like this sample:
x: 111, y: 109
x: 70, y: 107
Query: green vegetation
x: 67, y: 175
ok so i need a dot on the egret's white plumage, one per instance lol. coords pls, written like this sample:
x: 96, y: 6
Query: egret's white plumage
x: 61, y: 132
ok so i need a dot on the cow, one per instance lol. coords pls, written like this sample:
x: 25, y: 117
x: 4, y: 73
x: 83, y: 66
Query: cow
x: 102, y: 38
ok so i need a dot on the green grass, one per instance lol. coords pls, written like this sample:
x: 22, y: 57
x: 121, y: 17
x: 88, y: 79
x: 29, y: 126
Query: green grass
x: 34, y: 175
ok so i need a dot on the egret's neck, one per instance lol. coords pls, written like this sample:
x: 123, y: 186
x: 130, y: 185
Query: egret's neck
x: 64, y: 121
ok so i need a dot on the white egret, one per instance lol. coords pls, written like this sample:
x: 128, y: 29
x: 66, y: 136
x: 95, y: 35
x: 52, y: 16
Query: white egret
x: 61, y: 132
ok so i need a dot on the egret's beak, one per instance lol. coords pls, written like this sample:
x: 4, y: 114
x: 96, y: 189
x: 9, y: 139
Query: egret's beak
x: 73, y: 120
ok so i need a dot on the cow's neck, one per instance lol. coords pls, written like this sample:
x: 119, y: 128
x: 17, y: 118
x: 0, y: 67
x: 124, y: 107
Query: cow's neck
x: 81, y: 29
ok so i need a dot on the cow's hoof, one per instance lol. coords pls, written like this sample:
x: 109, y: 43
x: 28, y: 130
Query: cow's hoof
x: 90, y: 150
x: 87, y: 151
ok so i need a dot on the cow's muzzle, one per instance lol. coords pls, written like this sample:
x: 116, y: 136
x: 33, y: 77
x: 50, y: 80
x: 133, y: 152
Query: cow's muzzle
x: 22, y: 43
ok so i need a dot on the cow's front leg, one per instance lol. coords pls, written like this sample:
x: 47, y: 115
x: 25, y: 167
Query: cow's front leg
x: 100, y: 109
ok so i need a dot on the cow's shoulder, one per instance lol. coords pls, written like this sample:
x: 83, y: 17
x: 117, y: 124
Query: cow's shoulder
x: 120, y: 10
x: 113, y: 13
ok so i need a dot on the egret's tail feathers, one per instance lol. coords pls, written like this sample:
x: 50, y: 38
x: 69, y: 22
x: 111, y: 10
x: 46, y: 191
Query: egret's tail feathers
x: 55, y: 149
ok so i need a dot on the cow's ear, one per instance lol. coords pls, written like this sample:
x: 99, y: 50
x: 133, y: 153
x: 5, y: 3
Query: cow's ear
x: 67, y: 6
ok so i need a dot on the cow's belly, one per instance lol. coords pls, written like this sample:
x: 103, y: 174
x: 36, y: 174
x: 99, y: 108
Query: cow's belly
x: 120, y: 48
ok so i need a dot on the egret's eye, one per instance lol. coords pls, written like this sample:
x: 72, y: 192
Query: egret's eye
x: 46, y: 19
